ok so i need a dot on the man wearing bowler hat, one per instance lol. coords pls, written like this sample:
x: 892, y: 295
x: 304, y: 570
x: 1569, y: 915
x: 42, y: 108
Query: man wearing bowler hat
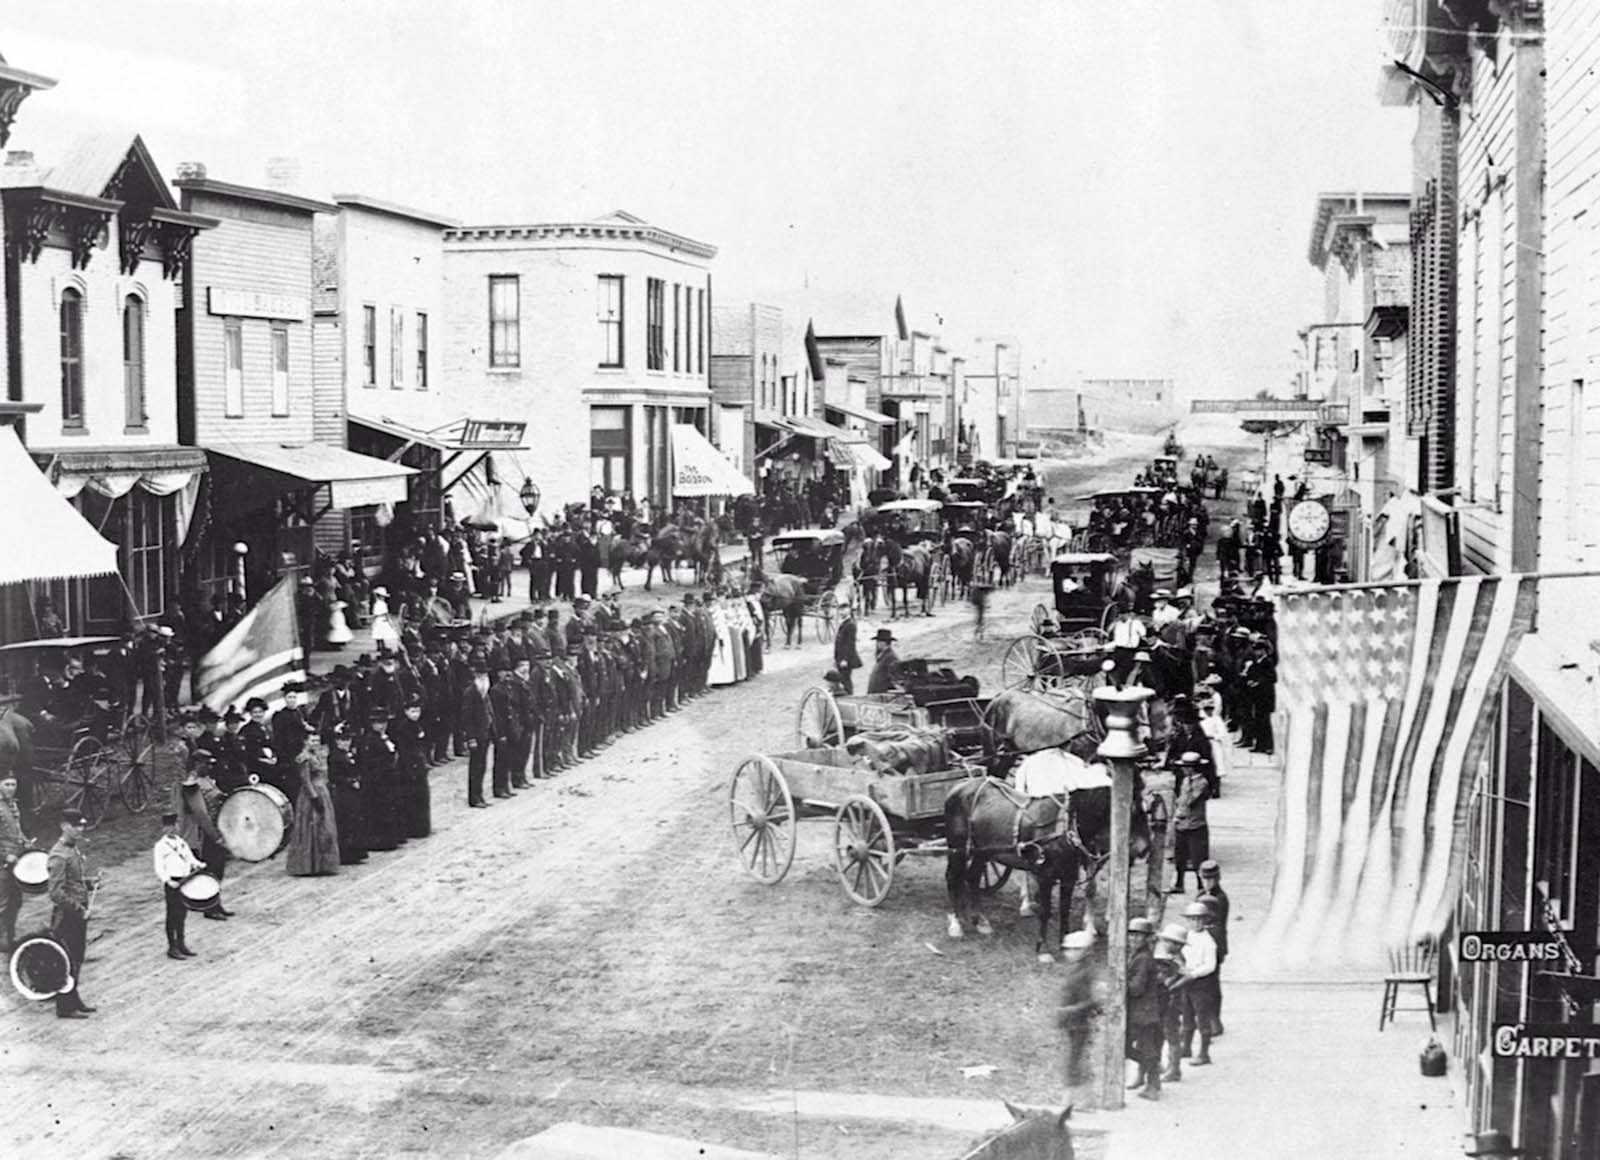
x: 478, y: 728
x: 885, y: 666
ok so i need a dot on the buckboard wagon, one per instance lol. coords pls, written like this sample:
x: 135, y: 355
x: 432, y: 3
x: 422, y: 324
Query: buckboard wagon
x: 879, y: 818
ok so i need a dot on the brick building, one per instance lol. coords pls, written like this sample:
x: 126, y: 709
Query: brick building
x: 596, y: 333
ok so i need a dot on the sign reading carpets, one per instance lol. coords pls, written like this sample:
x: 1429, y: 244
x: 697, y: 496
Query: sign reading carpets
x: 1387, y: 695
x: 1546, y: 1041
x: 489, y: 434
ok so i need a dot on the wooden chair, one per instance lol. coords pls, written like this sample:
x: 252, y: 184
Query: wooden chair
x: 1409, y: 966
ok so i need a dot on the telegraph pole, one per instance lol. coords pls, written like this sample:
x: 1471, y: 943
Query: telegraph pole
x: 1121, y: 748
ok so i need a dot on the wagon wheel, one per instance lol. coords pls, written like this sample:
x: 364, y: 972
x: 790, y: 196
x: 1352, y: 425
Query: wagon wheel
x: 1020, y: 660
x: 818, y: 722
x: 1041, y: 618
x: 86, y: 781
x: 827, y: 611
x: 863, y: 850
x: 763, y: 818
x: 1087, y: 640
x: 994, y: 877
x: 134, y: 751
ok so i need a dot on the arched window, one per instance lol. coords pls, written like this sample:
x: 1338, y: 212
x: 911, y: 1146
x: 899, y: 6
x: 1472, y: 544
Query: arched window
x: 133, y: 361
x: 71, y: 358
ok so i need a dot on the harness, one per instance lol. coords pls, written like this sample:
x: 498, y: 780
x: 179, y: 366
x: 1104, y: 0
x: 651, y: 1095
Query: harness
x: 1066, y: 826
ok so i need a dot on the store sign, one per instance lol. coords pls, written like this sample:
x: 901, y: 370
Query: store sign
x: 1287, y: 409
x: 1440, y: 550
x: 1319, y: 455
x: 1546, y: 1041
x: 1510, y: 946
x: 256, y: 304
x: 492, y: 434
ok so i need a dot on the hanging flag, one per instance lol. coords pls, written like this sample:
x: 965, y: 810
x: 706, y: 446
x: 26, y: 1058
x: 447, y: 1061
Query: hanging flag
x: 1387, y: 694
x: 257, y: 657
x: 901, y: 329
x: 819, y: 373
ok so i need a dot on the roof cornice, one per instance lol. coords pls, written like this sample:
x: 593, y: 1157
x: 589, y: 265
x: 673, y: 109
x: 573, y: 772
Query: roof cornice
x: 575, y: 231
x: 214, y: 188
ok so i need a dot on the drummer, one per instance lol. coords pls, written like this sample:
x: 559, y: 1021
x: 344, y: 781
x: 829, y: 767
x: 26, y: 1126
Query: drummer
x: 13, y: 844
x: 196, y: 801
x: 174, y: 862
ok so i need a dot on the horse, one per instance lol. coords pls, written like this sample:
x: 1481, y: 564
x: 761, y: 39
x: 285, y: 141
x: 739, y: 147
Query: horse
x: 1000, y: 552
x: 785, y: 593
x: 962, y: 557
x: 1034, y: 1134
x: 703, y: 546
x: 1054, y: 838
x: 914, y: 569
x: 666, y: 548
x: 879, y: 555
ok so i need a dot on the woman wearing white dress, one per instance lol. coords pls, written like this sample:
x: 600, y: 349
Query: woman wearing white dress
x: 383, y: 630
x: 723, y: 671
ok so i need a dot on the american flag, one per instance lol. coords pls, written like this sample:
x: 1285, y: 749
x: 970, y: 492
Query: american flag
x: 257, y: 657
x: 1385, y: 697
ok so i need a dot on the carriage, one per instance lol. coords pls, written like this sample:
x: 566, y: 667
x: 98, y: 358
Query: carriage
x: 974, y: 489
x: 928, y: 700
x: 816, y: 555
x: 910, y: 521
x: 108, y: 751
x: 1066, y: 647
x: 879, y: 818
x: 1164, y: 469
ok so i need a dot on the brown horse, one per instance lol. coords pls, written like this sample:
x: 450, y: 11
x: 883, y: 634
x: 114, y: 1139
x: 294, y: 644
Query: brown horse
x: 1054, y: 839
x: 914, y: 569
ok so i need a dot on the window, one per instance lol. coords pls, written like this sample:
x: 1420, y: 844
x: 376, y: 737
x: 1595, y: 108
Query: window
x: 422, y: 351
x: 280, y: 370
x: 505, y: 321
x: 1575, y: 465
x: 134, y: 412
x: 677, y: 322
x: 762, y: 383
x: 71, y: 358
x: 233, y: 368
x: 790, y: 397
x: 700, y: 331
x: 397, y: 346
x: 608, y: 308
x: 369, y: 345
x: 146, y: 559
x: 654, y: 323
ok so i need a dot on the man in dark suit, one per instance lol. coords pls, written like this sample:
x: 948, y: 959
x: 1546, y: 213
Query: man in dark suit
x: 336, y: 706
x: 506, y: 701
x: 886, y: 667
x: 845, y: 657
x: 479, y: 729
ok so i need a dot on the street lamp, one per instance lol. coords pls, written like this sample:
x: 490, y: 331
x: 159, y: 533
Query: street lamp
x: 1121, y: 747
x: 529, y: 495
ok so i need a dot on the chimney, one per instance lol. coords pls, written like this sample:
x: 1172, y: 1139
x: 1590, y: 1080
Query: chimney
x: 191, y: 171
x: 19, y: 158
x: 283, y: 174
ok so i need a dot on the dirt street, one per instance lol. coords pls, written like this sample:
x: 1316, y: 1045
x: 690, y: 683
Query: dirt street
x: 590, y: 950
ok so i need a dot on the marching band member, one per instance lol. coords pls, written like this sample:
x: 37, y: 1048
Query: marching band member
x: 175, y: 861
x: 196, y: 801
x: 69, y: 918
x: 12, y: 844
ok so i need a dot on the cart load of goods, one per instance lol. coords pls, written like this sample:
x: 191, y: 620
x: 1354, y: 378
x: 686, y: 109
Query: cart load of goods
x: 941, y: 686
x: 899, y: 750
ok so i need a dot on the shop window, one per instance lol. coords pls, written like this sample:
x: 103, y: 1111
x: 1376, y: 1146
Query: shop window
x: 280, y: 370
x: 146, y: 553
x: 71, y: 358
x: 135, y: 416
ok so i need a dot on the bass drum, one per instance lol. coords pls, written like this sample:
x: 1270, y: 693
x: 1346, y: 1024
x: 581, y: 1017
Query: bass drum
x: 254, y: 822
x: 40, y: 968
x: 32, y: 872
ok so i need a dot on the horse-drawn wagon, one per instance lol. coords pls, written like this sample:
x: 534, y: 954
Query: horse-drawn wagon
x: 880, y: 817
x: 811, y: 573
x: 932, y: 700
x: 904, y: 550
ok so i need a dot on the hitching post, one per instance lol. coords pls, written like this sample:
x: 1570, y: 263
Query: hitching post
x: 1120, y: 749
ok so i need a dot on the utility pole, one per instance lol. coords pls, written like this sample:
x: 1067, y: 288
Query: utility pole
x: 1121, y: 748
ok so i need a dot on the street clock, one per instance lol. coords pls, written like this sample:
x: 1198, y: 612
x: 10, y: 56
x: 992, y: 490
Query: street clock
x: 1309, y: 522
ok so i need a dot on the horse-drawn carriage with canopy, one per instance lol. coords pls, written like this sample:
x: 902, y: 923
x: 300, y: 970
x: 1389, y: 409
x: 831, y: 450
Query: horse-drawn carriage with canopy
x: 811, y: 569
x: 906, y: 541
x: 1066, y: 647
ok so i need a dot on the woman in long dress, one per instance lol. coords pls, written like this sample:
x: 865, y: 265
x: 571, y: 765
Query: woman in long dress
x: 349, y: 799
x: 314, y: 839
x: 752, y: 604
x: 410, y: 739
x: 724, y: 670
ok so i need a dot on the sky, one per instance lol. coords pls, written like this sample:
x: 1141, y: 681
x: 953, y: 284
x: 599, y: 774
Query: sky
x: 1127, y: 187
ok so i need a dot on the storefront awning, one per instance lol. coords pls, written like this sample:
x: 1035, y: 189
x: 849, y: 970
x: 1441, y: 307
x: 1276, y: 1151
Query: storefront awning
x: 698, y: 468
x: 859, y: 456
x: 817, y: 429
x: 249, y: 476
x: 877, y: 417
x: 49, y: 539
x: 115, y: 471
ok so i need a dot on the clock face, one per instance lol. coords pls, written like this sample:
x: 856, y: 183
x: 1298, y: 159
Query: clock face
x: 1308, y: 521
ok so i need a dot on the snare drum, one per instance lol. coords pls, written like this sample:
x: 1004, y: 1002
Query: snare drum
x: 32, y: 872
x: 41, y: 968
x: 255, y: 821
x: 200, y: 891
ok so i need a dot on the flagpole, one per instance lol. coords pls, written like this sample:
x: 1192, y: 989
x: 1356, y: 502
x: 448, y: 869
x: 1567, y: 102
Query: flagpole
x: 1369, y: 585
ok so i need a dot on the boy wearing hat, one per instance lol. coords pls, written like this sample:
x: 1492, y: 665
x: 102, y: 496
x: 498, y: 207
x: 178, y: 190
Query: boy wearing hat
x: 69, y: 917
x: 175, y: 861
x: 1212, y: 894
x: 1167, y: 960
x: 1080, y: 1001
x: 1198, y: 981
x: 1147, y: 995
x: 1191, y: 833
x: 885, y: 666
